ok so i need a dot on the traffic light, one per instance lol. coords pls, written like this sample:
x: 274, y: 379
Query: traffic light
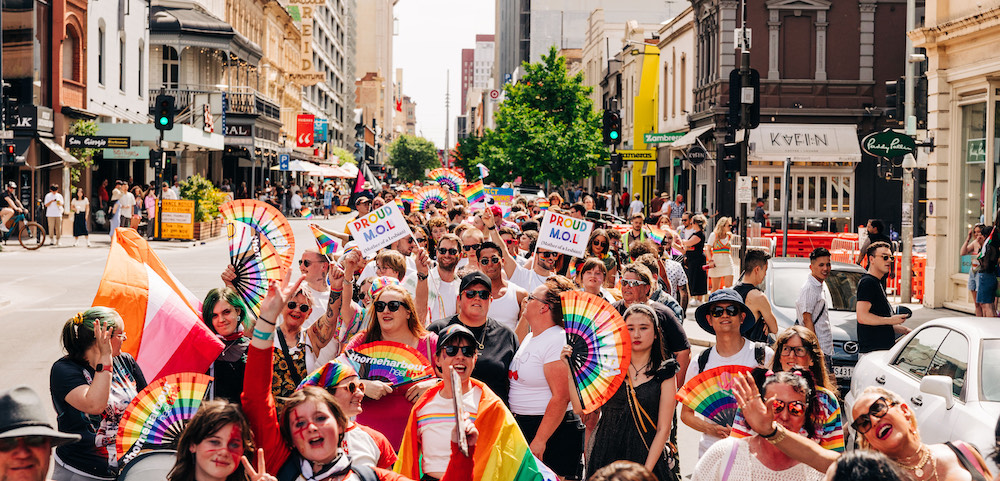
x: 163, y: 116
x: 155, y: 159
x: 895, y: 96
x: 612, y: 127
x: 9, y: 157
x: 739, y: 95
x: 731, y: 157
x: 920, y: 101
x: 616, y: 162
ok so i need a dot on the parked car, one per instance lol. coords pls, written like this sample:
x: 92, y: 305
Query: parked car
x: 947, y: 371
x: 787, y: 275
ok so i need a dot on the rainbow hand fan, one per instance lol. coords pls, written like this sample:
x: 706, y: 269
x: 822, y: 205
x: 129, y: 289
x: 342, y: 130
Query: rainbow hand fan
x: 601, y: 347
x: 157, y: 415
x: 449, y: 178
x: 255, y: 262
x: 430, y: 194
x: 327, y: 245
x: 387, y: 361
x: 265, y: 219
x: 711, y: 394
x: 474, y: 192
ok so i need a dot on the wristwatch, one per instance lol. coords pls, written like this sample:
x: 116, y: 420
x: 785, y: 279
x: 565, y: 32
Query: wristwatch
x: 102, y: 367
x: 422, y: 277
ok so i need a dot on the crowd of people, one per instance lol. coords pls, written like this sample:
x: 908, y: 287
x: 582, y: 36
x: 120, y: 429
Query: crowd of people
x: 473, y: 292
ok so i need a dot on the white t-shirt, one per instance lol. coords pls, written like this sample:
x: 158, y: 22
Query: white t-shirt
x: 169, y: 194
x: 79, y: 205
x: 435, y: 421
x: 296, y: 201
x: 635, y: 207
x: 529, y: 391
x: 55, y: 209
x: 441, y: 296
x: 527, y: 278
x: 505, y: 309
x: 744, y: 357
x: 713, y: 465
x: 125, y: 203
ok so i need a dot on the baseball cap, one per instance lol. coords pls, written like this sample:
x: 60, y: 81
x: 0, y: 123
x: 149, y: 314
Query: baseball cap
x: 474, y: 278
x: 454, y: 332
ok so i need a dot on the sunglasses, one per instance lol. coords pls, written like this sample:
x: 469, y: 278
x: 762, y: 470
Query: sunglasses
x: 633, y: 282
x: 467, y: 351
x: 452, y: 251
x: 307, y: 262
x: 421, y: 240
x: 9, y: 444
x: 885, y: 257
x: 797, y: 351
x: 599, y: 243
x: 795, y: 408
x: 353, y: 387
x: 486, y: 261
x: 878, y: 409
x: 718, y: 311
x: 546, y: 255
x: 392, y: 305
x: 471, y: 294
x: 511, y: 242
x: 471, y: 247
x: 302, y: 307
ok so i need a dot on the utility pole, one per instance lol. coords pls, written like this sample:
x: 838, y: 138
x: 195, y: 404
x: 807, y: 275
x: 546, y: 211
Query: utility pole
x: 447, y: 116
x: 906, y: 284
x: 745, y: 124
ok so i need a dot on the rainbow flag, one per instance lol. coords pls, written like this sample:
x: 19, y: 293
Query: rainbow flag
x: 406, y: 196
x: 474, y: 192
x: 656, y: 234
x: 306, y: 213
x: 399, y: 203
x: 162, y: 318
x: 327, y: 245
x: 542, y: 204
x: 501, y: 453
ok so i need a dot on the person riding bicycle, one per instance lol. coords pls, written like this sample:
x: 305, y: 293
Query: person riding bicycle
x: 9, y: 205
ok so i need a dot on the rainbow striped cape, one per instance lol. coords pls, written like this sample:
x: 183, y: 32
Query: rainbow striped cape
x: 501, y: 452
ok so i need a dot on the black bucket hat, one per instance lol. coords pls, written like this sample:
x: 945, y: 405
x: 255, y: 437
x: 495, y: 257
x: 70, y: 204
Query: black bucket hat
x: 723, y: 295
x: 22, y: 414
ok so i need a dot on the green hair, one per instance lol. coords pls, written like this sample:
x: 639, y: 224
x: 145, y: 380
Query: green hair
x: 78, y: 332
x: 213, y: 297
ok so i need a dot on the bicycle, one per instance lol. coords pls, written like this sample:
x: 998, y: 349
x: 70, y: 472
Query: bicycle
x: 30, y: 234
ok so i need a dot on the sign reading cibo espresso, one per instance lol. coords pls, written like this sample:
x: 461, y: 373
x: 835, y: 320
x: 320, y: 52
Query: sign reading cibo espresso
x: 379, y: 228
x: 888, y: 144
x: 564, y: 234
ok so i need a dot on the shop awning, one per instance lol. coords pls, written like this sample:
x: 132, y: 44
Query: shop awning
x: 58, y: 151
x: 298, y: 166
x: 805, y: 143
x: 690, y: 137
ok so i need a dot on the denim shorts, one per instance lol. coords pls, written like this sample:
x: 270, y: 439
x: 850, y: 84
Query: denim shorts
x: 986, y: 287
x: 973, y: 281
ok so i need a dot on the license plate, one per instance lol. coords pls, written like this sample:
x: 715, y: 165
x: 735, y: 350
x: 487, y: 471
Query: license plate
x: 843, y: 371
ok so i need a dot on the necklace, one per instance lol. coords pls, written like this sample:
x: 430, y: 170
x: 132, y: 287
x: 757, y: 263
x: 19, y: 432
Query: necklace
x: 479, y: 341
x: 918, y: 469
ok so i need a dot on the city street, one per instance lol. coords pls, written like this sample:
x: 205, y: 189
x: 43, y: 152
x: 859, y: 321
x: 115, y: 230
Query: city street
x: 40, y: 290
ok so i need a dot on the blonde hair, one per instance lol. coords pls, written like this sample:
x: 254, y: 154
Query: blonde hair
x: 722, y: 227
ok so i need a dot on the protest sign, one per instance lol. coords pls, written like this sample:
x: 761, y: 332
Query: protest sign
x: 379, y: 228
x: 561, y: 233
x: 502, y: 195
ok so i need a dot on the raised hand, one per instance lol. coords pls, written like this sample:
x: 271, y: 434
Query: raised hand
x: 423, y: 261
x: 229, y: 275
x: 336, y: 277
x: 259, y: 474
x: 103, y: 332
x: 488, y: 218
x: 277, y: 296
x: 758, y: 413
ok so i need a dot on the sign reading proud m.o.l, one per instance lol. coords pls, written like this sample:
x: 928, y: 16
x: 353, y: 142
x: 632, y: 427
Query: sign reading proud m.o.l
x: 379, y: 228
x: 564, y: 234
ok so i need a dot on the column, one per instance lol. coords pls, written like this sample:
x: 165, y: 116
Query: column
x: 773, y: 28
x: 821, y: 25
x: 728, y: 21
x: 867, y: 43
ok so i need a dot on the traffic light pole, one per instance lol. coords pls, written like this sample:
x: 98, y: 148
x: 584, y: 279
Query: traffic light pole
x: 744, y: 116
x: 906, y: 226
x: 159, y: 189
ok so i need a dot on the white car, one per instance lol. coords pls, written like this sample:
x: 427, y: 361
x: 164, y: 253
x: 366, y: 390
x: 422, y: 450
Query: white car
x: 948, y: 371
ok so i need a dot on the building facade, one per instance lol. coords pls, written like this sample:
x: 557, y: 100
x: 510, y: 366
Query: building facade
x: 676, y: 71
x: 375, y: 29
x: 333, y: 46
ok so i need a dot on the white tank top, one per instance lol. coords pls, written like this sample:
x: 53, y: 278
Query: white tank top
x: 505, y: 309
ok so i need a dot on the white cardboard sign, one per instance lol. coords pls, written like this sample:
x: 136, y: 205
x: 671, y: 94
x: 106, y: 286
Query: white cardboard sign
x: 379, y: 228
x: 564, y: 234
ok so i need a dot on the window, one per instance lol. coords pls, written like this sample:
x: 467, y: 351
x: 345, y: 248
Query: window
x: 140, y: 63
x: 952, y: 360
x: 973, y: 158
x: 171, y: 68
x: 121, y: 64
x: 990, y: 369
x: 69, y: 57
x: 100, y: 55
x: 916, y: 357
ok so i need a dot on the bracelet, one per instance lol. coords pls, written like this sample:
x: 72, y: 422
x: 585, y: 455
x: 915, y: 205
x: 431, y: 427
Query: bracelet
x: 263, y: 336
x: 492, y: 228
x: 422, y: 277
x: 778, y: 436
x: 769, y: 436
x: 265, y: 320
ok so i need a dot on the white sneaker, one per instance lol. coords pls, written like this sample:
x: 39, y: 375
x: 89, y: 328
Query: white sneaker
x: 4, y: 228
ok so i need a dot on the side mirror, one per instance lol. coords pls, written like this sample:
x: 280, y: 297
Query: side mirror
x: 938, y: 386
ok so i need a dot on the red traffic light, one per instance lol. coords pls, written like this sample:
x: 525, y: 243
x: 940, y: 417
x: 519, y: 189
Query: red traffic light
x: 9, y: 149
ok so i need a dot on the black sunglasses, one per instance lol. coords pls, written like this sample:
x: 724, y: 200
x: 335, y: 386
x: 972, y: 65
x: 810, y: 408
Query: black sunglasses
x: 452, y: 251
x: 467, y: 351
x: 392, y: 305
x: 307, y: 262
x: 718, y: 311
x: 487, y: 260
x: 302, y: 307
x: 599, y: 243
x: 471, y: 294
x: 471, y: 247
x: 421, y: 240
x: 9, y: 444
x: 353, y: 387
x: 795, y: 408
x: 548, y: 254
x: 878, y: 409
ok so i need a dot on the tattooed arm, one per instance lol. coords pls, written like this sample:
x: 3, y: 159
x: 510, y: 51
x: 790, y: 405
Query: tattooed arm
x: 325, y: 327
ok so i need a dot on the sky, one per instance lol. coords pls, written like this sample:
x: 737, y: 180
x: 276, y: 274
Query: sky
x: 432, y: 34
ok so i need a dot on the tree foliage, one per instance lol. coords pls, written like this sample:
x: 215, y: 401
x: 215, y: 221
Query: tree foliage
x: 342, y: 154
x: 465, y: 155
x: 546, y: 129
x: 208, y: 197
x: 84, y: 155
x: 412, y: 155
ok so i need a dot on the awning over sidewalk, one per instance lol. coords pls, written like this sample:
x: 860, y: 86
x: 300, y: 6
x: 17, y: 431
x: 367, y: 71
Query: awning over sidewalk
x: 181, y: 136
x: 690, y: 137
x: 58, y: 151
x: 805, y: 143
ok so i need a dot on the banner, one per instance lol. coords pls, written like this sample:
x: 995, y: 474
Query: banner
x: 304, y: 130
x: 502, y: 195
x: 564, y: 234
x: 379, y: 228
x: 177, y: 219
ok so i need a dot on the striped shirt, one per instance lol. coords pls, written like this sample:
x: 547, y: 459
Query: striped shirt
x: 435, y: 421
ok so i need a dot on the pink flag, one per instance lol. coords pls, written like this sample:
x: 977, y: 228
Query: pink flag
x: 359, y: 183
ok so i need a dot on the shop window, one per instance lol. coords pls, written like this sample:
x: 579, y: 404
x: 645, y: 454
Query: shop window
x: 71, y: 56
x: 973, y: 154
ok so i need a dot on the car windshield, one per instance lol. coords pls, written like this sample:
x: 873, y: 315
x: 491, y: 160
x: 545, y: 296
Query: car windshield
x: 841, y: 287
x: 990, y: 369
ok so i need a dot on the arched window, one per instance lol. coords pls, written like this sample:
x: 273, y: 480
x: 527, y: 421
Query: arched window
x: 170, y: 75
x: 70, y: 56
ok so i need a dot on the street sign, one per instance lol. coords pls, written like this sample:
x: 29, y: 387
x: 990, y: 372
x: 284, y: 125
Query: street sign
x: 283, y: 160
x: 696, y: 154
x: 744, y: 195
x: 128, y: 153
x: 494, y: 94
x: 661, y: 138
x: 637, y: 155
x: 97, y: 142
x: 888, y: 144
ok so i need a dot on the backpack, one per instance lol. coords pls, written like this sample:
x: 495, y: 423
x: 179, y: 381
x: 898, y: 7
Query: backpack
x: 758, y: 354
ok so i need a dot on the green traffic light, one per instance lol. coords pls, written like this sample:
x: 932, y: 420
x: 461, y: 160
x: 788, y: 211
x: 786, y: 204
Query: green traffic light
x: 614, y: 135
x: 163, y: 121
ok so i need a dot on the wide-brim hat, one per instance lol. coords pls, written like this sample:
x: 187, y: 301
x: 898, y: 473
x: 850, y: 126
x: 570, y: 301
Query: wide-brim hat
x: 723, y: 295
x: 21, y: 414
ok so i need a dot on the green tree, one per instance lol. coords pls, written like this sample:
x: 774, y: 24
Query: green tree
x: 465, y: 155
x: 412, y: 155
x: 546, y: 129
x: 208, y: 197
x: 85, y: 156
x: 342, y: 154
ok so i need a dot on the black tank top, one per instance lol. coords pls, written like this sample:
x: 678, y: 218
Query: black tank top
x: 753, y: 334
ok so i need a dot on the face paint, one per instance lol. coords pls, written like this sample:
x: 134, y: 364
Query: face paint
x: 235, y: 444
x: 299, y: 431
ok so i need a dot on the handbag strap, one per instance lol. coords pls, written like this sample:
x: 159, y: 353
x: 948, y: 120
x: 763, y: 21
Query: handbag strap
x: 966, y: 463
x: 732, y: 459
x: 292, y: 370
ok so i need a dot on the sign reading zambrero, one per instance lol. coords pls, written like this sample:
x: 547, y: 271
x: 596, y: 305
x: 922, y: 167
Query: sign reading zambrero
x: 634, y: 155
x: 564, y: 234
x: 888, y: 144
x: 661, y: 138
x: 379, y: 228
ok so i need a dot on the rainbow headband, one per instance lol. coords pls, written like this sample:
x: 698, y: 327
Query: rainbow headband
x: 380, y: 283
x: 328, y: 376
